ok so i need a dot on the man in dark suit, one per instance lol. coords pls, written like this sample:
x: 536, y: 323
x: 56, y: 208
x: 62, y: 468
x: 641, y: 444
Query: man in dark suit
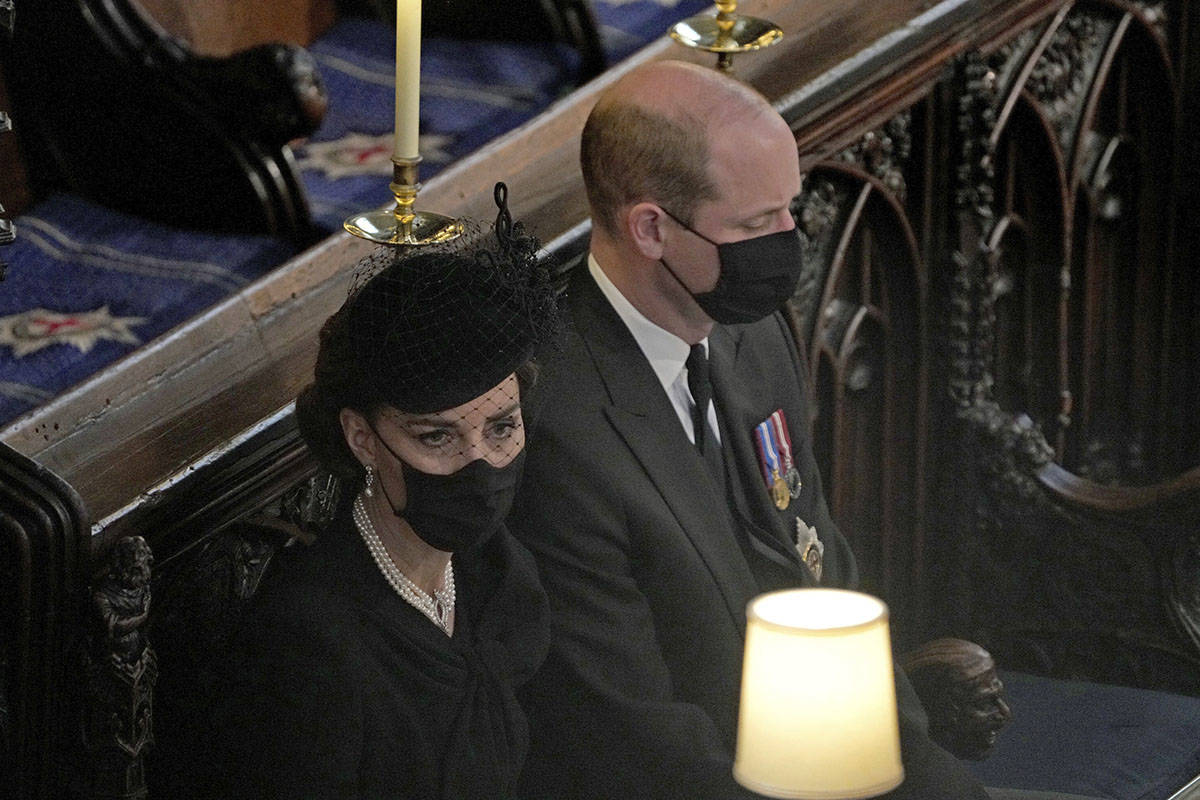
x: 656, y: 510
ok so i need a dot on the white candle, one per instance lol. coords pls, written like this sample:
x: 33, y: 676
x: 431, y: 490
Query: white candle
x: 408, y: 78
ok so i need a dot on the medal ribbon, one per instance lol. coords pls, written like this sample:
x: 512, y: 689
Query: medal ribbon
x: 768, y: 453
x: 779, y: 426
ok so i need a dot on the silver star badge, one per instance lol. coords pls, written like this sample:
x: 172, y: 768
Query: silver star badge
x: 810, y: 547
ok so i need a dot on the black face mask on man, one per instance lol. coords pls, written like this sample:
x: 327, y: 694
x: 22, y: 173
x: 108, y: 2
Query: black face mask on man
x: 459, y: 511
x: 757, y: 275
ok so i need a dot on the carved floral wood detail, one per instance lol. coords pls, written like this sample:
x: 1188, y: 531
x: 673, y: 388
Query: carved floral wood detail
x: 1062, y: 76
x: 120, y: 669
x: 1072, y: 590
x: 1068, y: 584
x: 884, y: 153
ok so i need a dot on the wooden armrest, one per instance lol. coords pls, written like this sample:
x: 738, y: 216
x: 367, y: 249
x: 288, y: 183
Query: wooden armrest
x: 1179, y: 497
x: 957, y: 683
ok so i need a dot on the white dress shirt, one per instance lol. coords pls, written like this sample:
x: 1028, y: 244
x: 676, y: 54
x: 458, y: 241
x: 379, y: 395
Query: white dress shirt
x: 665, y: 351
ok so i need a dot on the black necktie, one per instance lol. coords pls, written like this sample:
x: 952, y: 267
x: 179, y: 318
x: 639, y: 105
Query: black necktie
x: 700, y: 385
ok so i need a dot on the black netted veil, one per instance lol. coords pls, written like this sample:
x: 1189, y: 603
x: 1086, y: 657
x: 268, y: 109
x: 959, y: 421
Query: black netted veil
x: 428, y: 330
x: 438, y: 326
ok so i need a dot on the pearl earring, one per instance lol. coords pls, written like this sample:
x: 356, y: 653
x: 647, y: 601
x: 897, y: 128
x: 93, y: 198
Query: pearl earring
x: 369, y: 484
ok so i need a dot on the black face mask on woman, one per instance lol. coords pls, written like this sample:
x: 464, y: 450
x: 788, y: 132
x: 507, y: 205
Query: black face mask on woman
x: 459, y: 511
x: 757, y: 275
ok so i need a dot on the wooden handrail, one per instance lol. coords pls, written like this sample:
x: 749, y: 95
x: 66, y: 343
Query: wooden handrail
x: 1180, y: 494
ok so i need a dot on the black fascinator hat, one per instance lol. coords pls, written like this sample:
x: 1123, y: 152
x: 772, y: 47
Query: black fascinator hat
x: 429, y: 329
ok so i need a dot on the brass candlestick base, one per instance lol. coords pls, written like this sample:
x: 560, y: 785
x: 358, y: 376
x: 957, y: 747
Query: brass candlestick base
x: 726, y: 34
x: 404, y: 225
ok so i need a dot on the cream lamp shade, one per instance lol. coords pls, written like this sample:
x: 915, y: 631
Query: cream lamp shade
x: 818, y: 709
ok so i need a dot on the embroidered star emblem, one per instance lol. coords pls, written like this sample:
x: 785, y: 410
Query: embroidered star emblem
x: 37, y: 328
x: 364, y: 154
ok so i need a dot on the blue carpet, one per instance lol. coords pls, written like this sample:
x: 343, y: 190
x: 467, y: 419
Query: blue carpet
x: 87, y: 285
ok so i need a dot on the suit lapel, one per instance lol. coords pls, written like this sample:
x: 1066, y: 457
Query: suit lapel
x: 643, y: 416
x: 739, y: 417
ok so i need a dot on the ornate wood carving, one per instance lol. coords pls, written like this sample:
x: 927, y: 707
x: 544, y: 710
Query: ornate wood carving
x: 957, y: 683
x: 1062, y: 76
x: 1075, y: 585
x: 202, y: 592
x: 311, y: 505
x: 856, y: 314
x: 817, y: 211
x: 120, y: 669
x: 884, y: 153
x: 1154, y: 14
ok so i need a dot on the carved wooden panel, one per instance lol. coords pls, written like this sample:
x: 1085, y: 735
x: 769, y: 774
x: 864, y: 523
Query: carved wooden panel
x: 859, y: 308
x: 1084, y: 180
x: 991, y: 292
x: 1062, y: 358
x: 43, y: 530
x: 993, y: 275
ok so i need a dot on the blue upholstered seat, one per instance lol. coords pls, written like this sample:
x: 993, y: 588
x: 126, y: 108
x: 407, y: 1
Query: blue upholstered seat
x: 1094, y: 740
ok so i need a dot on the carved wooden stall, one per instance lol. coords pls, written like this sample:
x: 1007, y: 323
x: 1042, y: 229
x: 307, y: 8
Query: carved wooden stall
x: 999, y: 313
x: 997, y: 307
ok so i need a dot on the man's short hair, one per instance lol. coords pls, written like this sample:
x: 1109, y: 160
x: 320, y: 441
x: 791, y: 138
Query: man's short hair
x: 630, y: 154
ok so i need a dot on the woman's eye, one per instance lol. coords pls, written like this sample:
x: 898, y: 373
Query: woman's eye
x: 502, y: 429
x: 434, y: 438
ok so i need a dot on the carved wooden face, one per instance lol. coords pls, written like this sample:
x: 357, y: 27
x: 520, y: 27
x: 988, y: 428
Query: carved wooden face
x: 981, y: 712
x: 133, y: 560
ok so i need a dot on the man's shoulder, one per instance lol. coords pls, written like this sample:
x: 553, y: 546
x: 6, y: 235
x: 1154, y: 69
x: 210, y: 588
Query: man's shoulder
x: 570, y: 369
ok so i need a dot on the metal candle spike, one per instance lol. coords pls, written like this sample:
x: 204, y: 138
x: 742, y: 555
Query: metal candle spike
x: 404, y: 225
x: 726, y: 34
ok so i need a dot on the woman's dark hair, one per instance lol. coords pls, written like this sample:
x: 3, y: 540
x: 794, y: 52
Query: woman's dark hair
x: 338, y: 382
x: 428, y: 331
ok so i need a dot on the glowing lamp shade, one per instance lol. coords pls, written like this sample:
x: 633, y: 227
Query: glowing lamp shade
x: 818, y: 711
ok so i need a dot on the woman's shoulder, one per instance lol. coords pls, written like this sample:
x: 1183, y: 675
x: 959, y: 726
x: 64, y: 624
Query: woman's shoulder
x: 310, y: 589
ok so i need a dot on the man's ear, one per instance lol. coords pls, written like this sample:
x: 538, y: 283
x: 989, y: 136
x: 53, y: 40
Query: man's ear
x: 644, y: 224
x: 359, y: 436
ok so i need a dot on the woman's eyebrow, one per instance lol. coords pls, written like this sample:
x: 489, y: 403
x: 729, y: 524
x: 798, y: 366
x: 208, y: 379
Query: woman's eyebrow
x: 515, y: 406
x: 432, y: 422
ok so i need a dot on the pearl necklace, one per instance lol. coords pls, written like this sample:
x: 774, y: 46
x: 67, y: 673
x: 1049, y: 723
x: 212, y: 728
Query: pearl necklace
x: 440, y: 607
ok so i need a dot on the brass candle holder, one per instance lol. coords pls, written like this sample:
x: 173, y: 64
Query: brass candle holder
x: 726, y: 34
x: 404, y: 225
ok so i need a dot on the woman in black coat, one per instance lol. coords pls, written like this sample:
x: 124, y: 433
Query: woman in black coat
x: 382, y: 661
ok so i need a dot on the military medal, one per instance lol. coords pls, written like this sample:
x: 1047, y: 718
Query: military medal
x: 810, y: 547
x: 775, y: 456
x: 779, y: 491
